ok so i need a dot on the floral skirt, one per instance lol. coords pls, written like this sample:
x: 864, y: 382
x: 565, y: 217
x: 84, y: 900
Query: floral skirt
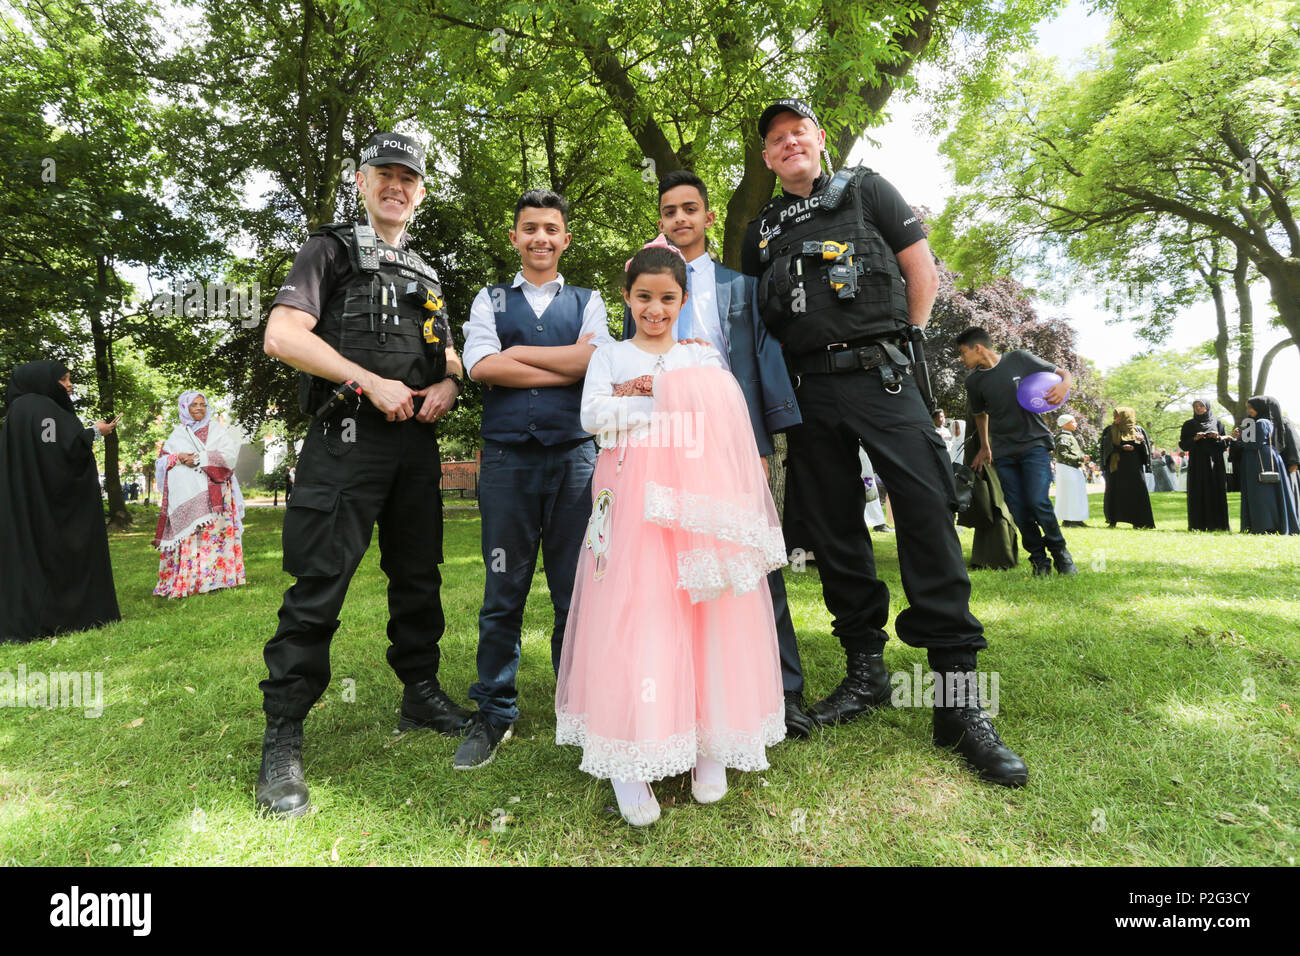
x: 211, y: 557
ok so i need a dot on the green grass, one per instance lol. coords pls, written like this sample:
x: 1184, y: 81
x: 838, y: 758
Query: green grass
x: 1154, y: 697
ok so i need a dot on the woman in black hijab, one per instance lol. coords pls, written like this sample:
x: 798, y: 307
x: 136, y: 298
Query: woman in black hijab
x: 54, y: 565
x: 1285, y: 440
x: 1203, y: 439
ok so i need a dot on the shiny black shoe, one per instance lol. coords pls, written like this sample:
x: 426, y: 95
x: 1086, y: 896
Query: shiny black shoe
x: 969, y: 731
x: 1064, y: 563
x: 865, y: 687
x: 281, y: 784
x: 426, y: 706
x: 480, y: 744
x: 797, y: 721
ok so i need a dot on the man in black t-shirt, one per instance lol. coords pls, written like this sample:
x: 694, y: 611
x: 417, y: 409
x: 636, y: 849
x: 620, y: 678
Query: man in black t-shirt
x: 358, y: 307
x: 844, y: 273
x: 1017, y: 442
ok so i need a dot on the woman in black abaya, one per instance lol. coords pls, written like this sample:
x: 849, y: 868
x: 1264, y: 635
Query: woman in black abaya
x: 54, y: 566
x: 1125, y: 452
x: 1203, y: 439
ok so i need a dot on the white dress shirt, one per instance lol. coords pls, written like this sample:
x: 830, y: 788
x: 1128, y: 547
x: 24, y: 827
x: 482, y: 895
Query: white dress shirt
x: 482, y: 340
x: 705, y: 321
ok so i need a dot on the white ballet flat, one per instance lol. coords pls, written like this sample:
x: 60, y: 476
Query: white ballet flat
x: 708, y: 792
x: 643, y: 814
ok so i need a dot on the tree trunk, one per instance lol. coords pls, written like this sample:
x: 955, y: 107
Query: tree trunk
x: 1245, y: 333
x: 1221, y: 340
x: 754, y: 189
x: 118, y: 517
x: 1283, y: 275
x: 1266, y: 363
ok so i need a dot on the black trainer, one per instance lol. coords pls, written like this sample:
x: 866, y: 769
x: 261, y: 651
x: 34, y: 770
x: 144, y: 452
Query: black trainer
x: 865, y: 687
x: 969, y: 731
x: 281, y: 783
x: 1041, y: 568
x: 426, y: 706
x: 1064, y: 563
x: 797, y: 721
x: 480, y: 744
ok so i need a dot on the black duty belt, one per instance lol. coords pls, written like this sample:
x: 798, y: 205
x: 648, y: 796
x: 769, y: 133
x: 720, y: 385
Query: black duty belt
x: 846, y: 357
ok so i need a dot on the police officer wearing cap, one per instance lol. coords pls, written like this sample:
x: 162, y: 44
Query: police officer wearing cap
x: 362, y: 319
x: 845, y: 273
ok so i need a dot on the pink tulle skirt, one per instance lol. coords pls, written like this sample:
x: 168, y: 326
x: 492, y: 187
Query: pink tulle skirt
x: 670, y: 648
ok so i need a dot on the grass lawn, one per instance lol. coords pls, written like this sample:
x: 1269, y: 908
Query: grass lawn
x: 1154, y: 698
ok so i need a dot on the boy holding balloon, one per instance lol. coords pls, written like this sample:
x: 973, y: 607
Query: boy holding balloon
x: 1006, y: 394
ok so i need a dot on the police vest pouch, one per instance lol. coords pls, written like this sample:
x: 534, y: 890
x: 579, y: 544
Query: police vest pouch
x: 381, y: 318
x: 832, y: 277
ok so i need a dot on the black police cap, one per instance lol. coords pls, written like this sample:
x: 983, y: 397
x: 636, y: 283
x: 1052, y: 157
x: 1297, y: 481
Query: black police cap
x: 386, y: 148
x: 782, y: 106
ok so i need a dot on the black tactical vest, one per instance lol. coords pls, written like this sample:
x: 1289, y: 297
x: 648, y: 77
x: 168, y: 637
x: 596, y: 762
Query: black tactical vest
x: 812, y: 292
x: 389, y: 318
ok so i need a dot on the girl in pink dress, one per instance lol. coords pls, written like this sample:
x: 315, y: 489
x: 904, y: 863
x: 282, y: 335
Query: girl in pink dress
x: 670, y: 658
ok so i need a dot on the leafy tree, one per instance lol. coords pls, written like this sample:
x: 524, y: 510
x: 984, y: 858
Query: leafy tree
x: 82, y: 199
x: 1186, y: 131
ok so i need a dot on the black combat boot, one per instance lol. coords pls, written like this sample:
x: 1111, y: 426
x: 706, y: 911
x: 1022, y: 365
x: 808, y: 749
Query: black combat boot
x: 281, y: 784
x: 865, y: 687
x: 961, y: 724
x: 426, y: 706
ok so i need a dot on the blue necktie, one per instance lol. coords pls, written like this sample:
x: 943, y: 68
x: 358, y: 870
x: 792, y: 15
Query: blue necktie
x: 684, y: 316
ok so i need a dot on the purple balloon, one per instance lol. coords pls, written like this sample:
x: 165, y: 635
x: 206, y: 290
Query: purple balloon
x: 1032, y: 391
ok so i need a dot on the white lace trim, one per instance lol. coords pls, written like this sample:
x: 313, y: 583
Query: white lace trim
x: 704, y: 514
x: 608, y: 758
x: 702, y: 571
x: 706, y: 577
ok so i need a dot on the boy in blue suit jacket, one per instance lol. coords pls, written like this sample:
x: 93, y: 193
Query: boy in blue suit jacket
x: 721, y: 311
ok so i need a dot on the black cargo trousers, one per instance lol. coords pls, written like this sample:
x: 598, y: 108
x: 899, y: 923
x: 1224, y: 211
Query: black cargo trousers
x: 389, y: 473
x: 841, y: 410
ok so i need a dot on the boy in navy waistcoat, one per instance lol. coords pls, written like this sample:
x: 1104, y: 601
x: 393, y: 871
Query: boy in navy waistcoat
x: 528, y: 342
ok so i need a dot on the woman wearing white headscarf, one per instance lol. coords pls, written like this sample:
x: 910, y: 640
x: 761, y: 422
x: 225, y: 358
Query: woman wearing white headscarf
x: 1071, y: 485
x: 202, y: 514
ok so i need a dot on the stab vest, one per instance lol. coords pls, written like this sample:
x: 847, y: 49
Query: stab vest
x: 551, y: 414
x: 796, y: 298
x: 399, y: 302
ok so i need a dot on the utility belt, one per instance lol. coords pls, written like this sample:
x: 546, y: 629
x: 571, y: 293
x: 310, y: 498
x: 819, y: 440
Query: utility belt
x: 885, y: 354
x: 343, y: 407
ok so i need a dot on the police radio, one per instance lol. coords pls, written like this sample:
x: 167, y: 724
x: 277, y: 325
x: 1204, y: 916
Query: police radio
x: 835, y: 190
x: 365, y: 248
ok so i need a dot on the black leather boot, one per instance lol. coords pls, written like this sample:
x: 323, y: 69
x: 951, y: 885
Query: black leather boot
x: 281, y: 784
x: 865, y: 687
x: 961, y: 724
x: 426, y: 706
x: 797, y: 721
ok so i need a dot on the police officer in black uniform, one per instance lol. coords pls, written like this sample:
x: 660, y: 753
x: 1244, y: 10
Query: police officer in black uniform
x: 362, y: 319
x: 845, y: 273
